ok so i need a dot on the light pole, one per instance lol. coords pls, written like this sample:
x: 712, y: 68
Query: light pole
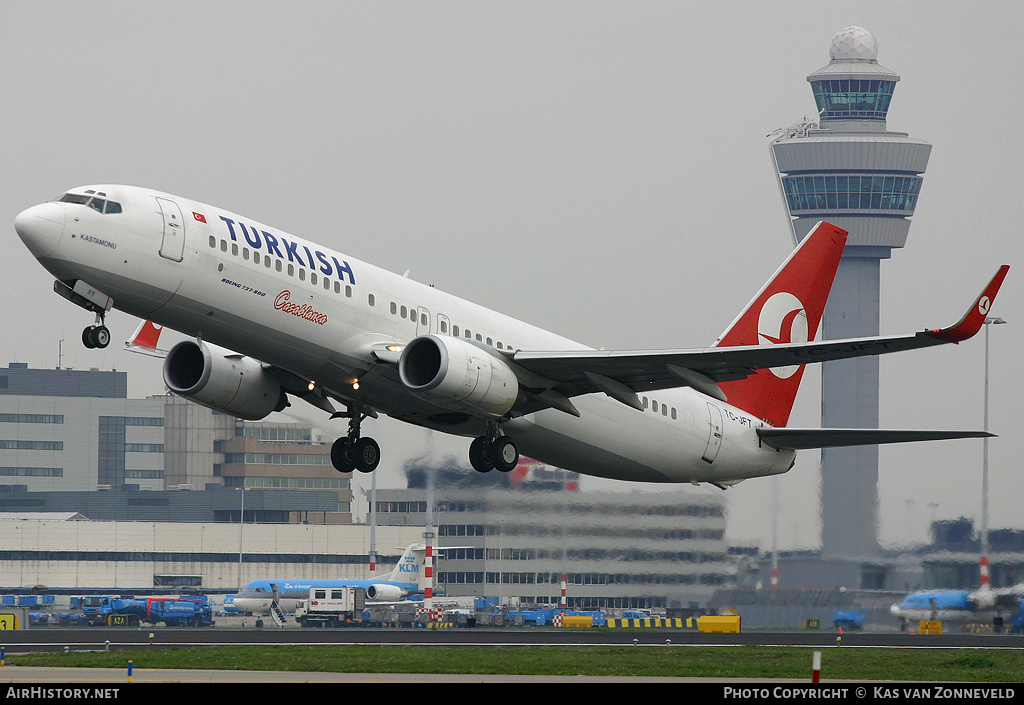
x: 241, y: 523
x: 989, y: 321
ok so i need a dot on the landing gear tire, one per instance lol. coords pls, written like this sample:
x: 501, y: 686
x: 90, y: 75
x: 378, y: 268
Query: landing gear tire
x: 362, y: 454
x: 504, y: 454
x: 366, y: 454
x: 96, y: 337
x: 341, y: 457
x: 480, y: 455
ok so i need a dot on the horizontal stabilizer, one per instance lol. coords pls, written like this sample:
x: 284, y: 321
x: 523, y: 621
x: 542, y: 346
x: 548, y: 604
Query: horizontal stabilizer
x: 805, y: 438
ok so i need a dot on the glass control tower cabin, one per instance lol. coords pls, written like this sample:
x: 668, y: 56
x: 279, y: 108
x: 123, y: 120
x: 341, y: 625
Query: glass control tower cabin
x: 848, y: 169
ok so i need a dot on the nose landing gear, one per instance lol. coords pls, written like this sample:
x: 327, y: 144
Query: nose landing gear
x: 97, y: 336
x: 91, y: 299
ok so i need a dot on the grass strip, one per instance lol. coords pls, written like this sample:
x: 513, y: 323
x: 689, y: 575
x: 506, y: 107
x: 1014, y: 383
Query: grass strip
x: 753, y: 662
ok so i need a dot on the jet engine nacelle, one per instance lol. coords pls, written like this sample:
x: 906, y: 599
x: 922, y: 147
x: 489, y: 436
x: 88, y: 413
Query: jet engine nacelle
x: 222, y: 380
x: 385, y: 593
x: 458, y: 375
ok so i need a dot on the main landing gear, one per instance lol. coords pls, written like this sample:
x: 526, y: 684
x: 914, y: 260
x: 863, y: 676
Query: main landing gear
x: 490, y: 451
x: 493, y: 452
x: 352, y: 452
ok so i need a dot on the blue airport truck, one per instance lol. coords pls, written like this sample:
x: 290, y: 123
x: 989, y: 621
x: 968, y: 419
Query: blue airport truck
x: 111, y: 610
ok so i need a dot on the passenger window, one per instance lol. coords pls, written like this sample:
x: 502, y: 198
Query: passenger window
x: 291, y: 270
x: 444, y: 327
x: 213, y: 242
x: 327, y: 283
x: 312, y: 278
x: 405, y: 312
x: 234, y: 250
x: 348, y: 291
x: 455, y: 331
x: 256, y: 257
x: 337, y: 287
x: 267, y: 262
x: 370, y: 299
x: 490, y: 342
x: 423, y: 319
x: 654, y: 405
x: 673, y: 413
x: 277, y: 265
x: 394, y: 308
x: 245, y: 253
x: 223, y: 245
x: 479, y: 339
x: 302, y: 275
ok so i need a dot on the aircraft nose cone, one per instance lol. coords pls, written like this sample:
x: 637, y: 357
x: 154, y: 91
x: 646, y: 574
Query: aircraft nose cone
x: 41, y: 227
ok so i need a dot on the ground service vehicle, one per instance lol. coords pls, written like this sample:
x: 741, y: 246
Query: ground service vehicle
x: 332, y: 607
x: 127, y: 611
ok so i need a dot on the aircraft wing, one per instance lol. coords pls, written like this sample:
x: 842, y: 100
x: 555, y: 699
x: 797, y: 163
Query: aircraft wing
x: 621, y: 374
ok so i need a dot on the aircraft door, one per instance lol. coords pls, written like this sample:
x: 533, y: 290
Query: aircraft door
x: 422, y: 321
x: 444, y: 326
x: 173, y: 244
x: 714, y: 433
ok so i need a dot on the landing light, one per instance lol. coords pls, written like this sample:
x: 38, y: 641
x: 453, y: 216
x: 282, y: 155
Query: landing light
x: 311, y: 386
x: 394, y: 348
x: 355, y: 384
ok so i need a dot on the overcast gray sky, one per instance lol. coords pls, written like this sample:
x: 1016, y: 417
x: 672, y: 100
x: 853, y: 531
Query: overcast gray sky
x: 598, y: 168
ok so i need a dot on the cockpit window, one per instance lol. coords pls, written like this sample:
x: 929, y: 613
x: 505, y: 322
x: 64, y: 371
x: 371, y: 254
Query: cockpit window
x: 74, y: 198
x: 95, y: 202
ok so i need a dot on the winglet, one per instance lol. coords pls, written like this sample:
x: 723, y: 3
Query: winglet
x: 974, y: 319
x: 144, y: 340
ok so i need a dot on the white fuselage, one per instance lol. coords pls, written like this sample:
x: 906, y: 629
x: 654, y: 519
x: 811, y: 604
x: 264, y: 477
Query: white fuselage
x: 315, y: 312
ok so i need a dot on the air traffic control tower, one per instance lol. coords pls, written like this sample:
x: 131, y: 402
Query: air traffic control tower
x: 847, y: 168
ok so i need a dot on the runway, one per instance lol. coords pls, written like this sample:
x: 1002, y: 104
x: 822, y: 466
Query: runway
x: 105, y: 638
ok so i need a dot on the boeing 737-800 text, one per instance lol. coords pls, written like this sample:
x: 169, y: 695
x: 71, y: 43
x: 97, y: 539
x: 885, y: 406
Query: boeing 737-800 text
x: 272, y: 316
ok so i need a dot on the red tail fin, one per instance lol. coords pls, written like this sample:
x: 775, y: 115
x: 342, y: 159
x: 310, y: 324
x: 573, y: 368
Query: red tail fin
x: 787, y: 309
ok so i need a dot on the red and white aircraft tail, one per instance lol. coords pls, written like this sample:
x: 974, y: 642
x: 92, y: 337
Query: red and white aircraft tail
x: 788, y: 309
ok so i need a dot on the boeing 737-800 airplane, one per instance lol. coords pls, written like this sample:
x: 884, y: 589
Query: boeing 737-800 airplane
x: 271, y: 315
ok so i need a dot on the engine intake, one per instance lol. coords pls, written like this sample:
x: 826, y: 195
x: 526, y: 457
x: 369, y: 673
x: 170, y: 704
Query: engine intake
x: 455, y: 374
x: 222, y: 380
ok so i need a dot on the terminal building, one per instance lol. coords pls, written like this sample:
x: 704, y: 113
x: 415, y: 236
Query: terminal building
x: 65, y: 432
x: 616, y: 550
x: 171, y: 514
x: 136, y: 494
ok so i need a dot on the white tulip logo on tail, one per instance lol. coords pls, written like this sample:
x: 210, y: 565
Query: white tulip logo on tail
x: 782, y: 320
